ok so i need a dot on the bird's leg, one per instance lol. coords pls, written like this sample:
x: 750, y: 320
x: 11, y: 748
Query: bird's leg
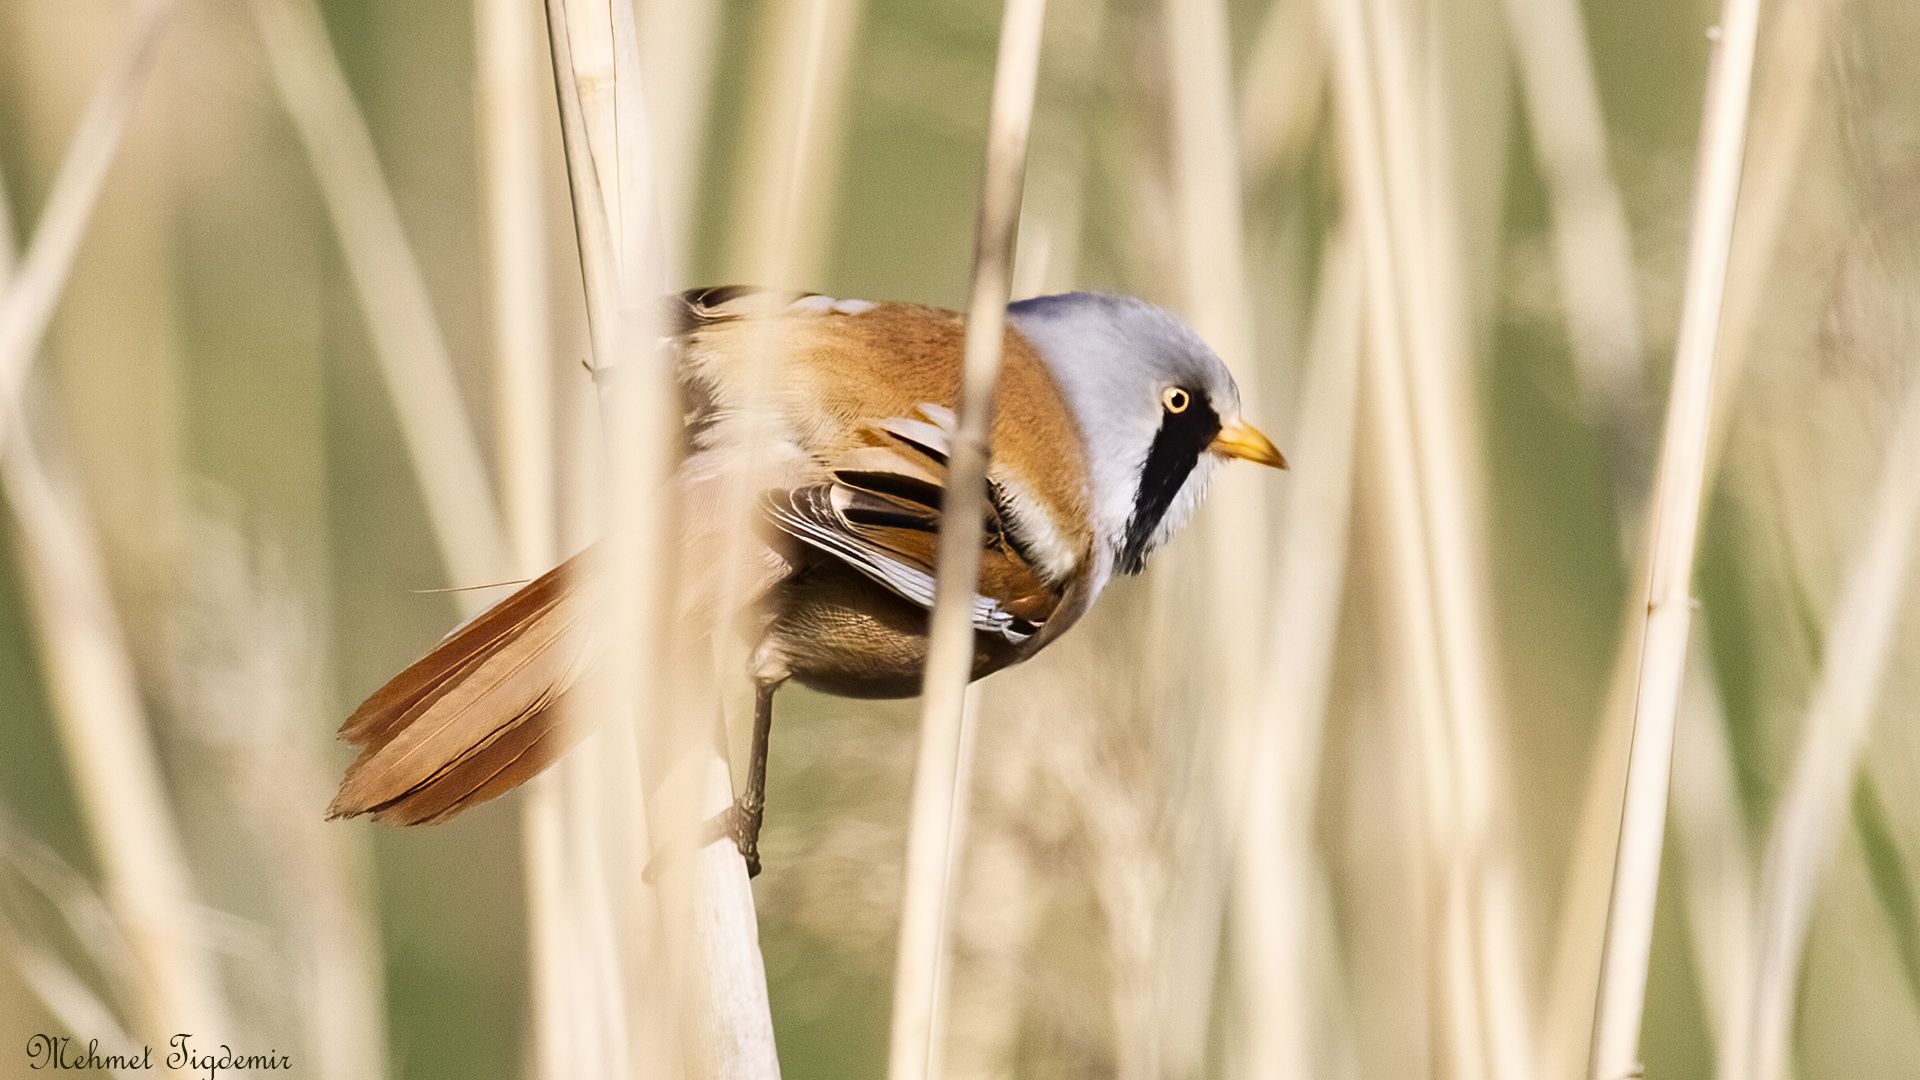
x: 741, y: 821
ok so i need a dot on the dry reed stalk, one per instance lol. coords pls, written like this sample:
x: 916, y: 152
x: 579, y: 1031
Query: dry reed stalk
x: 1275, y: 867
x: 1592, y: 245
x: 1783, y: 112
x: 590, y: 825
x: 508, y: 79
x: 943, y: 734
x: 1006, y: 888
x: 576, y: 931
x: 90, y: 675
x: 1356, y: 113
x: 393, y: 295
x: 1282, y: 87
x: 1782, y: 116
x: 1675, y: 521
x: 33, y: 289
x: 694, y: 986
x: 1812, y: 811
x: 1711, y: 826
x: 1209, y: 252
x: 785, y: 205
x: 1418, y: 397
x: 1052, y: 207
x: 507, y: 83
x: 103, y: 726
x: 784, y: 211
x: 1481, y: 899
x: 679, y: 40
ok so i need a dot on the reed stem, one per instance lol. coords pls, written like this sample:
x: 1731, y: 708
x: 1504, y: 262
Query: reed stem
x: 1275, y: 869
x: 1813, y: 811
x: 393, y: 295
x: 930, y: 852
x: 1674, y: 519
x: 33, y: 289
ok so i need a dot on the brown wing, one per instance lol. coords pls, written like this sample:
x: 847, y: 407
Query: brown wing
x: 478, y: 714
x: 881, y: 515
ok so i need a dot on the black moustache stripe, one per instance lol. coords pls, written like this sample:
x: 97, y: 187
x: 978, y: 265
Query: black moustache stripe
x: 1177, y: 447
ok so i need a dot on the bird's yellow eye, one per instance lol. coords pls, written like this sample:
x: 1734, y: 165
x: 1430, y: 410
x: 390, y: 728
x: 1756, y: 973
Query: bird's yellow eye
x: 1175, y: 399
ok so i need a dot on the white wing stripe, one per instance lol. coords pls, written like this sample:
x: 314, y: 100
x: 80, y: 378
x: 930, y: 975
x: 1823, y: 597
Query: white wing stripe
x: 910, y: 582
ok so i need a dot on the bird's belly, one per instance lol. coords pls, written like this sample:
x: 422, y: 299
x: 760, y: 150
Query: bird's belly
x: 840, y: 632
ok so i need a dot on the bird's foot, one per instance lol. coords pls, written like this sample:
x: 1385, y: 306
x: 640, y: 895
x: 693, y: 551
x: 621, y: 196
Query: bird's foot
x: 741, y: 824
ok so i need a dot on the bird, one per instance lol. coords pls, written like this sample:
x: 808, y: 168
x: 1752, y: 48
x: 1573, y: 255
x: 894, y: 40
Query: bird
x: 1110, y: 417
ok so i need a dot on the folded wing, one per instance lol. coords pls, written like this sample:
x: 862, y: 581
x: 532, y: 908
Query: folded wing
x: 880, y: 514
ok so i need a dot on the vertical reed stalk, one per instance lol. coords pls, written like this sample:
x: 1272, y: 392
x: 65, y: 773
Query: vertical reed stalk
x: 943, y: 735
x: 523, y: 394
x: 712, y: 977
x: 784, y: 208
x: 1859, y: 644
x: 1275, y: 869
x: 1480, y: 906
x: 1675, y: 519
x: 678, y: 39
x: 1211, y: 257
x: 785, y: 205
x: 509, y: 132
x: 1363, y: 173
x: 1711, y: 827
x: 393, y: 294
x: 1282, y: 89
x: 1419, y: 397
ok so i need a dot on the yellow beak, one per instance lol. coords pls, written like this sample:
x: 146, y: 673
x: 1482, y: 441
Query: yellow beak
x: 1240, y: 440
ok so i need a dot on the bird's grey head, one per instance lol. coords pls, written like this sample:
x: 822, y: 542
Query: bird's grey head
x: 1151, y: 399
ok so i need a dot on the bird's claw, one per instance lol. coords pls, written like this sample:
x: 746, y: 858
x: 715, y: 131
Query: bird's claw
x: 741, y: 824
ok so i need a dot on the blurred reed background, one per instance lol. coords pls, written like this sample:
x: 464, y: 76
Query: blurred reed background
x: 1333, y: 790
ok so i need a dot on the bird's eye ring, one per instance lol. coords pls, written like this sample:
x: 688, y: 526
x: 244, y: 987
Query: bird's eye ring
x: 1175, y: 399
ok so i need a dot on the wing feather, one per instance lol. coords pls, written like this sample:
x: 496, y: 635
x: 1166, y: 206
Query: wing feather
x: 880, y: 514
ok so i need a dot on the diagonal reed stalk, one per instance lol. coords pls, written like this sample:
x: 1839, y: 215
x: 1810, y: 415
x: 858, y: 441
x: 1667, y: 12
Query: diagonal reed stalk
x: 393, y: 295
x: 1674, y: 520
x: 95, y: 696
x: 944, y: 737
x: 34, y: 287
x: 103, y: 725
x: 1275, y: 869
x: 1813, y: 810
x: 1591, y: 244
x: 1781, y: 123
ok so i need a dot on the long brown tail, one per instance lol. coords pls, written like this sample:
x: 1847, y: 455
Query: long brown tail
x: 476, y: 717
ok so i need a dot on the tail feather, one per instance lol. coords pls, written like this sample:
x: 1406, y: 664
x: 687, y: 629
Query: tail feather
x: 477, y: 715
